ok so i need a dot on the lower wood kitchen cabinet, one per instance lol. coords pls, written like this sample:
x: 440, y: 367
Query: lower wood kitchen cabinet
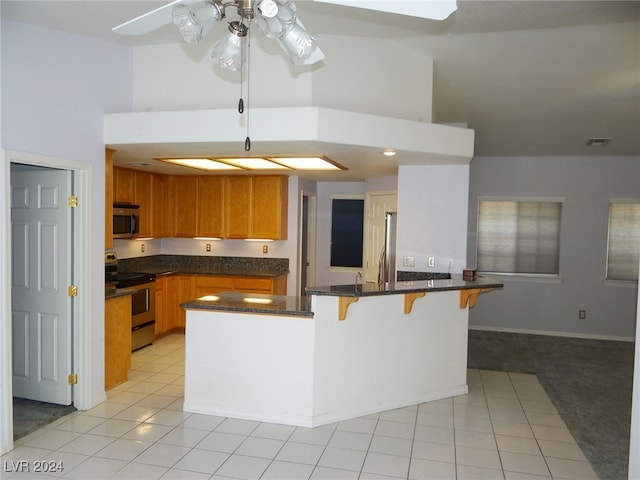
x: 174, y: 289
x: 117, y: 340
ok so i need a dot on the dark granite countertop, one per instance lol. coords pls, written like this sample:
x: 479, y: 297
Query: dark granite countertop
x: 119, y: 292
x: 252, y: 303
x: 206, y: 265
x: 394, y: 288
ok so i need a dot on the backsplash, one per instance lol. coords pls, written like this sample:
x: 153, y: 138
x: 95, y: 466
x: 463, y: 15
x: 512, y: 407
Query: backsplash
x: 204, y: 264
x: 404, y: 276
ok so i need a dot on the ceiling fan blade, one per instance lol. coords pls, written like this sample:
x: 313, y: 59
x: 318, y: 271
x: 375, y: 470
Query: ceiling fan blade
x: 432, y: 9
x: 150, y: 21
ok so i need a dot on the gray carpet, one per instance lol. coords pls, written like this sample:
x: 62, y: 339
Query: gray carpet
x: 30, y: 415
x: 589, y: 381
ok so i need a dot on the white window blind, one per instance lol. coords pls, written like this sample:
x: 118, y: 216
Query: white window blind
x: 624, y: 241
x: 519, y: 237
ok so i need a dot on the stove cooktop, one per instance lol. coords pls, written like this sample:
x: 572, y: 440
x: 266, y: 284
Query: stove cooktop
x: 131, y: 279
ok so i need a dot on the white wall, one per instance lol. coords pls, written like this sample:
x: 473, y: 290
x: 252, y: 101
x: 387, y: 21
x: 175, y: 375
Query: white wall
x: 432, y: 217
x: 587, y: 184
x: 376, y: 76
x: 55, y: 89
x: 389, y: 80
x: 182, y: 77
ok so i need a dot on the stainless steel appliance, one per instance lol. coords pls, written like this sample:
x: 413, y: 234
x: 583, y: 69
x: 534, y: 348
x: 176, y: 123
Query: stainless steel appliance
x: 126, y: 220
x: 143, y: 299
x: 143, y: 306
x: 387, y: 269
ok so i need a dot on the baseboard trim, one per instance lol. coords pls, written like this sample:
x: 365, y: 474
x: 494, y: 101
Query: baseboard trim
x: 551, y: 333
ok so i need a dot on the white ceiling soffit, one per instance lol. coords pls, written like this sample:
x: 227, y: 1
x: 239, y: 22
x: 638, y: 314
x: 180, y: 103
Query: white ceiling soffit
x: 432, y: 9
x: 303, y: 131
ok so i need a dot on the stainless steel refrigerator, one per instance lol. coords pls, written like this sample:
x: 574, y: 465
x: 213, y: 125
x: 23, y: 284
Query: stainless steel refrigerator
x: 387, y: 269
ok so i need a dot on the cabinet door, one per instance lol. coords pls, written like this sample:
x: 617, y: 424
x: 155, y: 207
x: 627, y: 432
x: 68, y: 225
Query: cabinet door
x: 117, y: 340
x: 269, y: 207
x: 162, y: 205
x: 210, y: 206
x: 210, y: 284
x: 180, y: 289
x: 186, y: 206
x: 237, y: 207
x: 142, y: 197
x: 161, y: 313
x: 123, y: 185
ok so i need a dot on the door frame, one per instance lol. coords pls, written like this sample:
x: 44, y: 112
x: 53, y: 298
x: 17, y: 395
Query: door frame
x: 311, y: 239
x: 82, y: 331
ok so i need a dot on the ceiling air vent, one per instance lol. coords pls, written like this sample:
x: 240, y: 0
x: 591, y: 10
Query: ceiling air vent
x: 598, y: 142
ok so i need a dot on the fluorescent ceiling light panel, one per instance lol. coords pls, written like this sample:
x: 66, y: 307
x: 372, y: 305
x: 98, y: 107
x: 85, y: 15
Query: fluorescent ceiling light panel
x: 307, y: 163
x: 201, y: 163
x: 253, y: 163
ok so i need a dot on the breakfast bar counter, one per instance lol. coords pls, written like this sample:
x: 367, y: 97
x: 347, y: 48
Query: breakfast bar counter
x: 343, y: 352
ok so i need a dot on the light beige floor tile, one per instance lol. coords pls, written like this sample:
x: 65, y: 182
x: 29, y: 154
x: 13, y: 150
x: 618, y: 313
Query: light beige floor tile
x: 391, y: 445
x: 439, y: 452
x: 517, y: 445
x: 566, y: 450
x: 162, y: 455
x: 477, y: 457
x: 524, y: 463
x: 383, y: 464
x: 570, y: 469
x: 202, y: 461
x: 430, y: 470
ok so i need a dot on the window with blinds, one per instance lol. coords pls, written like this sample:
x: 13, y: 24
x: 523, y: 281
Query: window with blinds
x: 623, y: 251
x: 519, y: 237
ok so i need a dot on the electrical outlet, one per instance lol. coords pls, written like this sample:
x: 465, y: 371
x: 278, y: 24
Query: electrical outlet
x: 408, y: 261
x: 431, y: 262
x: 582, y: 314
x: 207, y: 247
x: 265, y: 248
x: 142, y: 247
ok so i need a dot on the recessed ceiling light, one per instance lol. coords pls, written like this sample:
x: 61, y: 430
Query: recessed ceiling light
x: 389, y: 152
x: 599, y: 141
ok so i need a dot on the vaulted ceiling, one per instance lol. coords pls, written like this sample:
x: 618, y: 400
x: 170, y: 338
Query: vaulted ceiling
x: 532, y: 78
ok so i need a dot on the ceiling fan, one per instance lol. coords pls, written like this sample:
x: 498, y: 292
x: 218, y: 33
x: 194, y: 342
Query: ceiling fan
x: 276, y: 19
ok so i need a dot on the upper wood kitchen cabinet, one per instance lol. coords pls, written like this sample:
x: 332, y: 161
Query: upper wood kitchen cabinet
x: 186, y: 206
x: 162, y: 205
x: 237, y: 207
x: 123, y: 185
x: 269, y: 204
x: 142, y: 197
x: 210, y: 209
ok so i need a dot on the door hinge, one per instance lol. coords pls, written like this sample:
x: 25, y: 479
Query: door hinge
x: 72, y: 379
x: 72, y: 291
x: 72, y: 201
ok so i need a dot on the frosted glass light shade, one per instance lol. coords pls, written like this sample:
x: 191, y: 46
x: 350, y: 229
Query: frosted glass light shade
x: 300, y: 45
x: 228, y: 52
x: 196, y: 20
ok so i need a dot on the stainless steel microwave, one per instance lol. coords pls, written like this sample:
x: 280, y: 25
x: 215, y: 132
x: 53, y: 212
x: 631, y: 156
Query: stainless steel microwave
x: 126, y: 220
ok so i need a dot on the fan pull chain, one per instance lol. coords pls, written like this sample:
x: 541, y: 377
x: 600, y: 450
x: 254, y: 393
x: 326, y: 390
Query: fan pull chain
x: 247, y: 141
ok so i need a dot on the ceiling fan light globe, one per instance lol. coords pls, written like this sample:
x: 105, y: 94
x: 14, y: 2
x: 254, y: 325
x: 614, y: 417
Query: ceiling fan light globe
x: 268, y: 8
x: 196, y: 20
x: 227, y: 53
x: 276, y: 27
x: 298, y: 43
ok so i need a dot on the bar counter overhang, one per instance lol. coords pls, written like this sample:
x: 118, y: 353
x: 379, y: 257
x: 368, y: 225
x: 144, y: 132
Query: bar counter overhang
x: 345, y: 352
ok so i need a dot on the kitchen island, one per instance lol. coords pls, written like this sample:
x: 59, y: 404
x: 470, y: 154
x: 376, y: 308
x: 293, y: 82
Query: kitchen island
x: 342, y: 352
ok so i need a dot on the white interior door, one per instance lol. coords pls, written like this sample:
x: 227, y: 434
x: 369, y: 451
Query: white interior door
x: 41, y: 273
x: 378, y: 205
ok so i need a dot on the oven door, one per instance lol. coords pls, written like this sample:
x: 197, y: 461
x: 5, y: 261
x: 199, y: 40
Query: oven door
x: 143, y: 304
x: 143, y: 315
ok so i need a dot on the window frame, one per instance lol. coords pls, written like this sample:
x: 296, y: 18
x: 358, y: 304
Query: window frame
x: 339, y: 268
x: 616, y: 281
x: 528, y: 277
